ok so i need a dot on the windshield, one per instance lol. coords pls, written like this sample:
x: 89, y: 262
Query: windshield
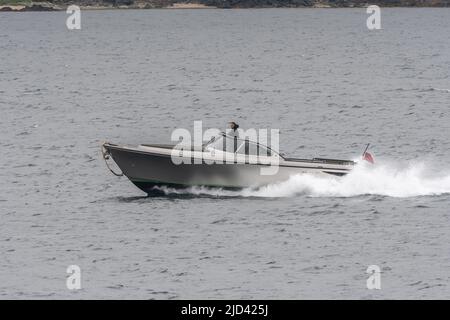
x: 231, y: 144
x: 253, y: 149
x: 225, y: 144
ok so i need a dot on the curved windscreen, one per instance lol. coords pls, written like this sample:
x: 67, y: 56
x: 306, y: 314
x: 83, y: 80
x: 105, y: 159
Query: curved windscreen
x: 253, y: 149
x: 231, y: 144
x: 226, y: 144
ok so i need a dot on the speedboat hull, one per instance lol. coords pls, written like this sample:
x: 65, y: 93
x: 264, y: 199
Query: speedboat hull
x: 152, y: 166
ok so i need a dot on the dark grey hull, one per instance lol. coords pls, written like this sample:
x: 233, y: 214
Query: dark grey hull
x: 148, y: 170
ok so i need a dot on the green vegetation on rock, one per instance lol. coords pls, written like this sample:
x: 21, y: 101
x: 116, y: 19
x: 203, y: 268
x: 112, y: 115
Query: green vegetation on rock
x: 15, y: 2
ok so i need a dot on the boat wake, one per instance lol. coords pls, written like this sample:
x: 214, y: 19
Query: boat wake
x: 410, y: 180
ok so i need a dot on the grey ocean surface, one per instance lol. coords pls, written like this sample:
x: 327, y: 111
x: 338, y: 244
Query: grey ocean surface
x: 132, y: 76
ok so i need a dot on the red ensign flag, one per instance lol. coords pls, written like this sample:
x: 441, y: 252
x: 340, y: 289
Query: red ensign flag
x: 368, y: 157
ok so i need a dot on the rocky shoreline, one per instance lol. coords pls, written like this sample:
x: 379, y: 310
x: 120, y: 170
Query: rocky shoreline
x: 60, y: 5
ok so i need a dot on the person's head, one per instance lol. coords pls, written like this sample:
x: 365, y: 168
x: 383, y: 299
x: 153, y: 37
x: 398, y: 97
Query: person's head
x: 233, y: 125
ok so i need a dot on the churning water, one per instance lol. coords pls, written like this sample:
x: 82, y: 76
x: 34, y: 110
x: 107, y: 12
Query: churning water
x: 132, y: 76
x: 384, y: 180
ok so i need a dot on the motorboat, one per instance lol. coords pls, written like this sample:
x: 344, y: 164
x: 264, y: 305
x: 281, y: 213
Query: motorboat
x: 150, y: 166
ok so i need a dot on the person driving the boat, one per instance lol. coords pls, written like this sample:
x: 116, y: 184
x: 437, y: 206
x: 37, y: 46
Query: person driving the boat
x: 233, y: 133
x: 234, y: 129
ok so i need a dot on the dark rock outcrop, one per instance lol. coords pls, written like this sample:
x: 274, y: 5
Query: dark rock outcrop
x: 330, y: 3
x: 257, y: 3
x: 38, y: 7
x: 53, y: 5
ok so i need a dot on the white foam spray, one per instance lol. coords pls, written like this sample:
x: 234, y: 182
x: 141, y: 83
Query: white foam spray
x: 401, y: 180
